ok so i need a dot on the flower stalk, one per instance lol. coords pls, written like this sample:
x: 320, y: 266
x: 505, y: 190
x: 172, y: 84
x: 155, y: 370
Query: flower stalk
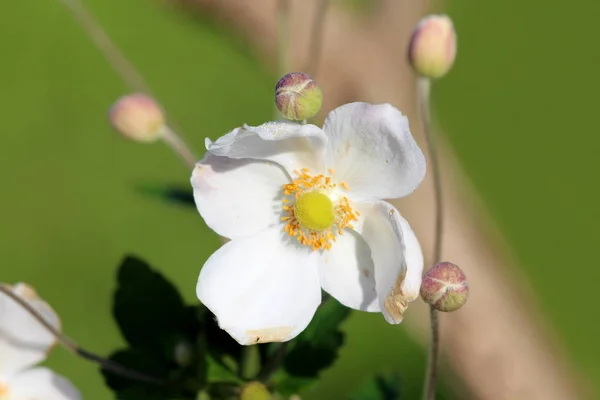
x: 423, y: 93
x: 316, y: 38
x: 125, y: 69
x: 174, y: 141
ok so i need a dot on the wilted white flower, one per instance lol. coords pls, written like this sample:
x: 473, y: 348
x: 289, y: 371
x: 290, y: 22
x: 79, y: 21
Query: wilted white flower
x: 304, y: 209
x: 24, y: 342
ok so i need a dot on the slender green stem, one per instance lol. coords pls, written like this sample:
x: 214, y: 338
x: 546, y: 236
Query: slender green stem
x: 123, y: 67
x: 423, y: 92
x: 74, y: 348
x: 316, y: 38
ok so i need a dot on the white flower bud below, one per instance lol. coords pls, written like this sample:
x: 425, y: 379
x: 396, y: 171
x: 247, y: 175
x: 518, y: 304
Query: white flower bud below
x: 298, y: 97
x: 445, y: 287
x: 432, y: 48
x: 138, y: 117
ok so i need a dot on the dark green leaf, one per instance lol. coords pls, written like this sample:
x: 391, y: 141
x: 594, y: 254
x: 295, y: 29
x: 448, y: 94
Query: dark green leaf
x: 217, y: 372
x: 147, y: 378
x: 156, y: 375
x: 220, y: 345
x: 317, y: 347
x: 313, y: 350
x: 382, y: 387
x: 149, y: 310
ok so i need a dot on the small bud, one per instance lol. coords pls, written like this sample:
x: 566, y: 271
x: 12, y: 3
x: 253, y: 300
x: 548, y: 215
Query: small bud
x: 445, y: 287
x: 254, y: 391
x: 137, y: 117
x: 432, y: 48
x: 298, y: 97
x: 183, y: 353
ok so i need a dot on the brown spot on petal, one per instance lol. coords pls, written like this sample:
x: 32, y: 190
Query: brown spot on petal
x: 366, y: 272
x: 396, y: 302
x: 279, y: 334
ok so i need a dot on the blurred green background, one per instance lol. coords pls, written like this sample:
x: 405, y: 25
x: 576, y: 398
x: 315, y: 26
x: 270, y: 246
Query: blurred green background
x: 519, y: 109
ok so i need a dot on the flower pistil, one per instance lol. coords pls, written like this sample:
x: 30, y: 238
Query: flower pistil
x: 316, y: 209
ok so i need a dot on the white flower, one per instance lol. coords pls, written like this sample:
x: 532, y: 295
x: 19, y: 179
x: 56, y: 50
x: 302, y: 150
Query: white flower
x: 304, y: 210
x: 24, y: 342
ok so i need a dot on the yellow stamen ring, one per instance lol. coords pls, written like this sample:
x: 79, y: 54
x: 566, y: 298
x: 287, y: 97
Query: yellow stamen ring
x: 316, y: 211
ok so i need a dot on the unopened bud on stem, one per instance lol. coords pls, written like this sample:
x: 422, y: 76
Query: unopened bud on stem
x: 255, y: 391
x: 432, y: 48
x: 138, y: 117
x: 298, y: 97
x: 445, y: 287
x: 183, y: 353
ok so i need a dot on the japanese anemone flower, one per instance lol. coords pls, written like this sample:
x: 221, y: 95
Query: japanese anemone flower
x: 24, y: 342
x: 304, y: 209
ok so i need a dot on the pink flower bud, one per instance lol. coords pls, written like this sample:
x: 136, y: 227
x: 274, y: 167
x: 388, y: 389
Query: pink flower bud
x: 445, y: 287
x: 432, y: 47
x: 137, y: 117
x: 298, y: 97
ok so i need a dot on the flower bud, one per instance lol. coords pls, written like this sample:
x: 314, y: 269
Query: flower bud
x: 298, y: 97
x: 137, y: 117
x: 445, y: 287
x: 432, y: 48
x: 183, y: 353
x: 255, y: 391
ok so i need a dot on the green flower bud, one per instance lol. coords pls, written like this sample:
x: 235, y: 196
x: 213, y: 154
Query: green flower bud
x: 183, y: 353
x: 137, y: 117
x: 298, y: 97
x: 255, y: 391
x: 445, y: 287
x: 432, y: 48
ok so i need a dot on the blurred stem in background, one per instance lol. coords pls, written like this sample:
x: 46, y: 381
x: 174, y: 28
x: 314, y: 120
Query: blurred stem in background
x: 423, y: 93
x: 283, y: 53
x: 125, y: 69
x: 77, y: 350
x: 316, y: 39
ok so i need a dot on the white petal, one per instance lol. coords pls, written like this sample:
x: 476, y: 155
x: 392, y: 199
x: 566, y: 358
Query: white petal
x: 238, y: 197
x: 23, y: 340
x: 371, y: 148
x: 291, y: 145
x: 41, y: 383
x: 347, y: 273
x: 262, y: 288
x: 397, y: 257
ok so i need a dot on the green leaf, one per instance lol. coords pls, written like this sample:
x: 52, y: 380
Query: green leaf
x: 132, y: 389
x: 220, y: 345
x: 381, y: 387
x: 317, y: 347
x: 313, y: 350
x: 149, y: 310
x: 217, y: 372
